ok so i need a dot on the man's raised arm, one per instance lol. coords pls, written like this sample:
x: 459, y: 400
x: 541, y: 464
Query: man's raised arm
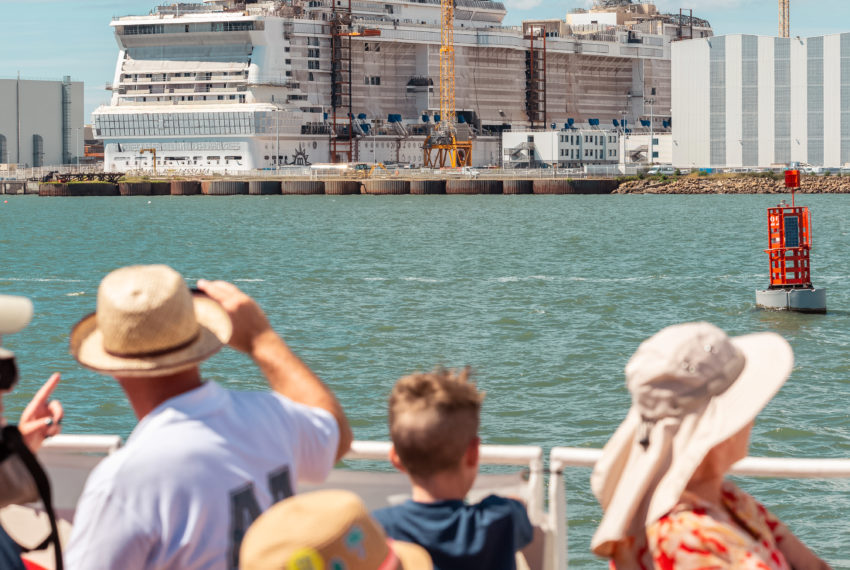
x: 286, y: 373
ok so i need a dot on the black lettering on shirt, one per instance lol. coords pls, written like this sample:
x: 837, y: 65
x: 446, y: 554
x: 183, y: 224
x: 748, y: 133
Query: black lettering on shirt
x: 244, y: 510
x: 280, y: 484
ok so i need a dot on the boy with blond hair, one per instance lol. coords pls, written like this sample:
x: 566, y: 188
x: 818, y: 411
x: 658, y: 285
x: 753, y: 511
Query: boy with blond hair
x: 434, y: 419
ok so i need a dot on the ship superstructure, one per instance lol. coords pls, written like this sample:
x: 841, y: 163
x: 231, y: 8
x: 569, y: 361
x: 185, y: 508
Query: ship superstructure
x: 224, y: 85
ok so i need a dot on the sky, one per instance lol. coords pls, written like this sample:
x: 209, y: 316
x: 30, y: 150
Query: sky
x: 49, y: 39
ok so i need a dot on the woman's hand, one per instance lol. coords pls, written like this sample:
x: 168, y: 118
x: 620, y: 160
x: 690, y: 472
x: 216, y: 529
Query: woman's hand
x: 42, y: 417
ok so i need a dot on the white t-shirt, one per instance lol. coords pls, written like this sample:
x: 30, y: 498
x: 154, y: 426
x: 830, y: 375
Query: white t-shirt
x: 194, y: 474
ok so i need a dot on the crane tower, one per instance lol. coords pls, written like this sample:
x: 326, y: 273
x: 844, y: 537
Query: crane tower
x: 784, y: 18
x: 442, y: 148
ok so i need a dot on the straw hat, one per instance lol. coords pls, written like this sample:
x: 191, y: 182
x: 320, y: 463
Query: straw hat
x: 148, y: 323
x: 325, y: 530
x: 692, y: 388
x: 15, y: 313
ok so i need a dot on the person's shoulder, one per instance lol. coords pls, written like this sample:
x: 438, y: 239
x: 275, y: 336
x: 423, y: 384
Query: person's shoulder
x: 692, y: 520
x: 498, y: 501
x: 392, y: 519
x: 502, y: 505
x: 278, y: 405
x: 384, y: 513
x: 132, y: 467
x: 391, y: 513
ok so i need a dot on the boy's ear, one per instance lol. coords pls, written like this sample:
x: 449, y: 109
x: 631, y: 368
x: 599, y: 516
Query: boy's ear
x: 396, y: 460
x: 472, y: 452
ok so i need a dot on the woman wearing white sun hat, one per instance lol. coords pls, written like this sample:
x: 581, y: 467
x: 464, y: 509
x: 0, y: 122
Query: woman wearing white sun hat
x: 661, y: 478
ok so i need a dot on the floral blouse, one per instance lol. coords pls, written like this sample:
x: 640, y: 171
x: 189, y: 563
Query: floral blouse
x: 699, y: 535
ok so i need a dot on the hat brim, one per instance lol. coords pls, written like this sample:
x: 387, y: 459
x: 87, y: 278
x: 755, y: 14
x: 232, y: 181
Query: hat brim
x: 15, y: 313
x: 769, y: 362
x: 215, y: 330
x: 411, y: 556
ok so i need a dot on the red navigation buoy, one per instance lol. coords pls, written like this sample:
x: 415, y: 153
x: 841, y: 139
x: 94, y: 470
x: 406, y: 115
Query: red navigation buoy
x: 789, y: 231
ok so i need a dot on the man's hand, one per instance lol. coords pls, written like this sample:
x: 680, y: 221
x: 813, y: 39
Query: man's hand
x: 42, y: 417
x: 249, y: 321
x: 285, y: 372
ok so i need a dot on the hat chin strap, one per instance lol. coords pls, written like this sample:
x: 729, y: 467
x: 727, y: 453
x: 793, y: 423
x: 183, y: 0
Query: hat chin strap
x: 391, y: 562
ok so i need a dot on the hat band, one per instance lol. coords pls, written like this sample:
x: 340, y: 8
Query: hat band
x: 155, y: 353
x: 391, y: 561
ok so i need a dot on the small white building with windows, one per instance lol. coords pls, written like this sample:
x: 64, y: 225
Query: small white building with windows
x: 41, y: 122
x: 566, y: 148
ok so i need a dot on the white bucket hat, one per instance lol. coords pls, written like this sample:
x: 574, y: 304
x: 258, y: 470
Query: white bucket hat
x: 15, y: 313
x: 692, y: 388
x: 148, y: 323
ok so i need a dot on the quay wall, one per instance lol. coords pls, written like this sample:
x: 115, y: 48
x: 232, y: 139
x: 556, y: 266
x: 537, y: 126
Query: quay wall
x: 692, y: 184
x: 13, y: 187
x: 185, y: 187
x: 342, y: 187
x: 78, y: 189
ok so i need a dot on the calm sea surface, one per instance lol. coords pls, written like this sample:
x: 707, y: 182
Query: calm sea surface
x: 545, y: 296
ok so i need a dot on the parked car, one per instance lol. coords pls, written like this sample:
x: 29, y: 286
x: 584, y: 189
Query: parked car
x: 667, y: 170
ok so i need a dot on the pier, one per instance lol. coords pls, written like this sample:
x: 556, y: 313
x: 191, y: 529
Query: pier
x: 395, y: 185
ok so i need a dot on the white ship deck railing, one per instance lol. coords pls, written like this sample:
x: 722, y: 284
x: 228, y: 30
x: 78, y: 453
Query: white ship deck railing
x: 70, y: 458
x: 561, y: 458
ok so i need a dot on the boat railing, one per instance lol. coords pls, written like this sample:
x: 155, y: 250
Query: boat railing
x: 561, y: 458
x: 69, y: 459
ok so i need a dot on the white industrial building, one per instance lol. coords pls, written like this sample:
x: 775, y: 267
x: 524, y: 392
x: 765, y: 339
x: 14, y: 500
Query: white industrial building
x: 567, y: 148
x: 748, y: 101
x: 41, y: 122
x: 581, y: 147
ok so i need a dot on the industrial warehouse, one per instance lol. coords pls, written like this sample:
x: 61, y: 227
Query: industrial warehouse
x: 762, y: 102
x: 41, y: 123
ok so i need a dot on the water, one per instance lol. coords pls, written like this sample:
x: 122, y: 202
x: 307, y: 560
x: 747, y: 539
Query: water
x: 545, y: 296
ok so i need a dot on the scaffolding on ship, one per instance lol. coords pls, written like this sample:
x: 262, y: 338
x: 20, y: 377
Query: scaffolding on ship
x: 444, y: 147
x: 535, y: 76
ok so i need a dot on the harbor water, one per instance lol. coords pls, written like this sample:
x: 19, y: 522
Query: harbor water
x: 545, y: 296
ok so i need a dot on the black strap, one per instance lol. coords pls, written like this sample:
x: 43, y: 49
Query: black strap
x: 12, y: 438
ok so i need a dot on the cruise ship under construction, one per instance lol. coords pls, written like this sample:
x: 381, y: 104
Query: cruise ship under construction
x: 233, y: 86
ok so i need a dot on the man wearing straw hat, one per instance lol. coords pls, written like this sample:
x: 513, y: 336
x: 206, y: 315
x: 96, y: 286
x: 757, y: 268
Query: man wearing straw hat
x: 203, y: 462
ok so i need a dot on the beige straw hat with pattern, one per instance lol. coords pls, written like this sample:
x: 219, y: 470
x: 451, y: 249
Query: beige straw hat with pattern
x: 692, y: 388
x: 148, y: 323
x: 325, y: 530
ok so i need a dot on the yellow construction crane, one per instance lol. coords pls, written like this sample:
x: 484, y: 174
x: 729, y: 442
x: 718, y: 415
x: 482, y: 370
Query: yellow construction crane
x: 784, y: 18
x: 441, y: 148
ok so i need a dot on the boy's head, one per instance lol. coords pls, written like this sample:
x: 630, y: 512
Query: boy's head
x: 434, y: 418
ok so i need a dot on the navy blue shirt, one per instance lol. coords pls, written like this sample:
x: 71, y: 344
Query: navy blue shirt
x: 457, y: 535
x: 10, y: 554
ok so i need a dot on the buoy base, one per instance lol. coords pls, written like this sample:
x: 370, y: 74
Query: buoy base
x: 800, y: 300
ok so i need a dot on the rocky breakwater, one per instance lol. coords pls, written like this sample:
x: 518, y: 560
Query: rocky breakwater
x: 726, y: 184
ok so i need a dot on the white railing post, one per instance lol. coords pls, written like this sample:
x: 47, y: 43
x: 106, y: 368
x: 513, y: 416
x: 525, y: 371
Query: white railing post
x: 558, y: 513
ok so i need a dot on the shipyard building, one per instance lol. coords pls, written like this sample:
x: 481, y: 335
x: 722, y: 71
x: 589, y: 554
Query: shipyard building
x: 41, y: 122
x: 761, y: 102
x: 228, y: 86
